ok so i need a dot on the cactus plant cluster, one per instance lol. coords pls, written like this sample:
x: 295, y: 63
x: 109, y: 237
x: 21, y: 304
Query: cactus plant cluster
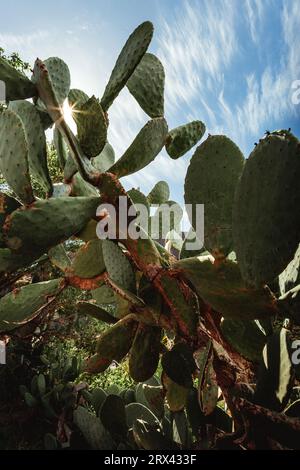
x: 215, y: 318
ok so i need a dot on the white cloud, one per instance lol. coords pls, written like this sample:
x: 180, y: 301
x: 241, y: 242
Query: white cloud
x: 254, y: 10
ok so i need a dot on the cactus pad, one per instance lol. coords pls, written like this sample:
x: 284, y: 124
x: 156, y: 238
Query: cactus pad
x: 211, y: 180
x: 14, y: 155
x: 181, y: 139
x: 143, y: 150
x: 266, y: 220
x: 17, y: 85
x: 144, y: 354
x: 118, y: 266
x: 105, y: 160
x: 147, y: 85
x: 130, y: 56
x: 88, y: 261
x: 159, y: 194
x: 221, y: 286
x: 36, y: 140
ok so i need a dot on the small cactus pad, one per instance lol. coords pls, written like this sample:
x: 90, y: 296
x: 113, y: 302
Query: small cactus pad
x: 147, y: 85
x: 23, y: 304
x: 211, y: 180
x: 221, y: 286
x: 105, y: 160
x: 91, y: 127
x: 159, y: 194
x: 14, y: 155
x: 80, y: 187
x: 247, y: 337
x: 176, y: 395
x: 93, y: 310
x: 104, y: 295
x: 118, y: 266
x: 88, y: 261
x: 17, y: 85
x: 266, y: 219
x: 144, y: 354
x: 130, y: 56
x: 113, y: 416
x: 181, y: 139
x: 116, y: 342
x: 48, y: 222
x: 59, y: 257
x: 36, y: 140
x: 76, y: 98
x: 143, y: 150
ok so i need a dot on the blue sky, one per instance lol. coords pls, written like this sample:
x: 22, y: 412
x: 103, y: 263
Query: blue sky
x: 229, y: 63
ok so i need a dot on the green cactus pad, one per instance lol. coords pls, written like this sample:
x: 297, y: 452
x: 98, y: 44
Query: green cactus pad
x: 275, y: 375
x: 116, y: 342
x: 23, y: 304
x: 60, y: 77
x: 61, y: 148
x: 211, y: 180
x: 181, y: 139
x: 245, y: 336
x: 159, y: 194
x: 266, y: 218
x: 144, y: 354
x: 105, y: 160
x: 147, y: 85
x: 36, y: 140
x: 76, y: 98
x: 80, y: 187
x: 290, y: 277
x: 89, y: 232
x: 130, y: 56
x: 13, y: 144
x: 138, y: 197
x: 151, y: 396
x: 118, y: 266
x: 113, y: 416
x: 17, y: 85
x: 143, y: 150
x: 7, y: 205
x: 104, y: 295
x: 91, y: 127
x: 48, y: 222
x: 92, y: 429
x: 93, y: 310
x: 185, y: 310
x: 221, y: 286
x: 191, y: 246
x: 176, y: 395
x: 59, y: 257
x: 88, y: 261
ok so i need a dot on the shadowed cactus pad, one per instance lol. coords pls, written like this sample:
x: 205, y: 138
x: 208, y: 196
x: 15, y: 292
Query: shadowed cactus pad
x: 36, y: 141
x: 91, y: 127
x: 13, y: 143
x: 17, y: 86
x: 60, y: 78
x: 211, y: 180
x: 144, y: 354
x: 76, y: 98
x: 266, y: 219
x: 147, y: 85
x: 221, y: 286
x: 159, y: 194
x: 118, y: 266
x: 130, y: 56
x: 22, y: 305
x: 181, y: 139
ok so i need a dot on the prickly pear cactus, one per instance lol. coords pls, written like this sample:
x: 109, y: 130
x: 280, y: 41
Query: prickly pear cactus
x: 219, y: 319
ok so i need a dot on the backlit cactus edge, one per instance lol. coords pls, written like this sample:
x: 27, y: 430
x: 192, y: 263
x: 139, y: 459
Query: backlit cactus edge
x: 221, y: 306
